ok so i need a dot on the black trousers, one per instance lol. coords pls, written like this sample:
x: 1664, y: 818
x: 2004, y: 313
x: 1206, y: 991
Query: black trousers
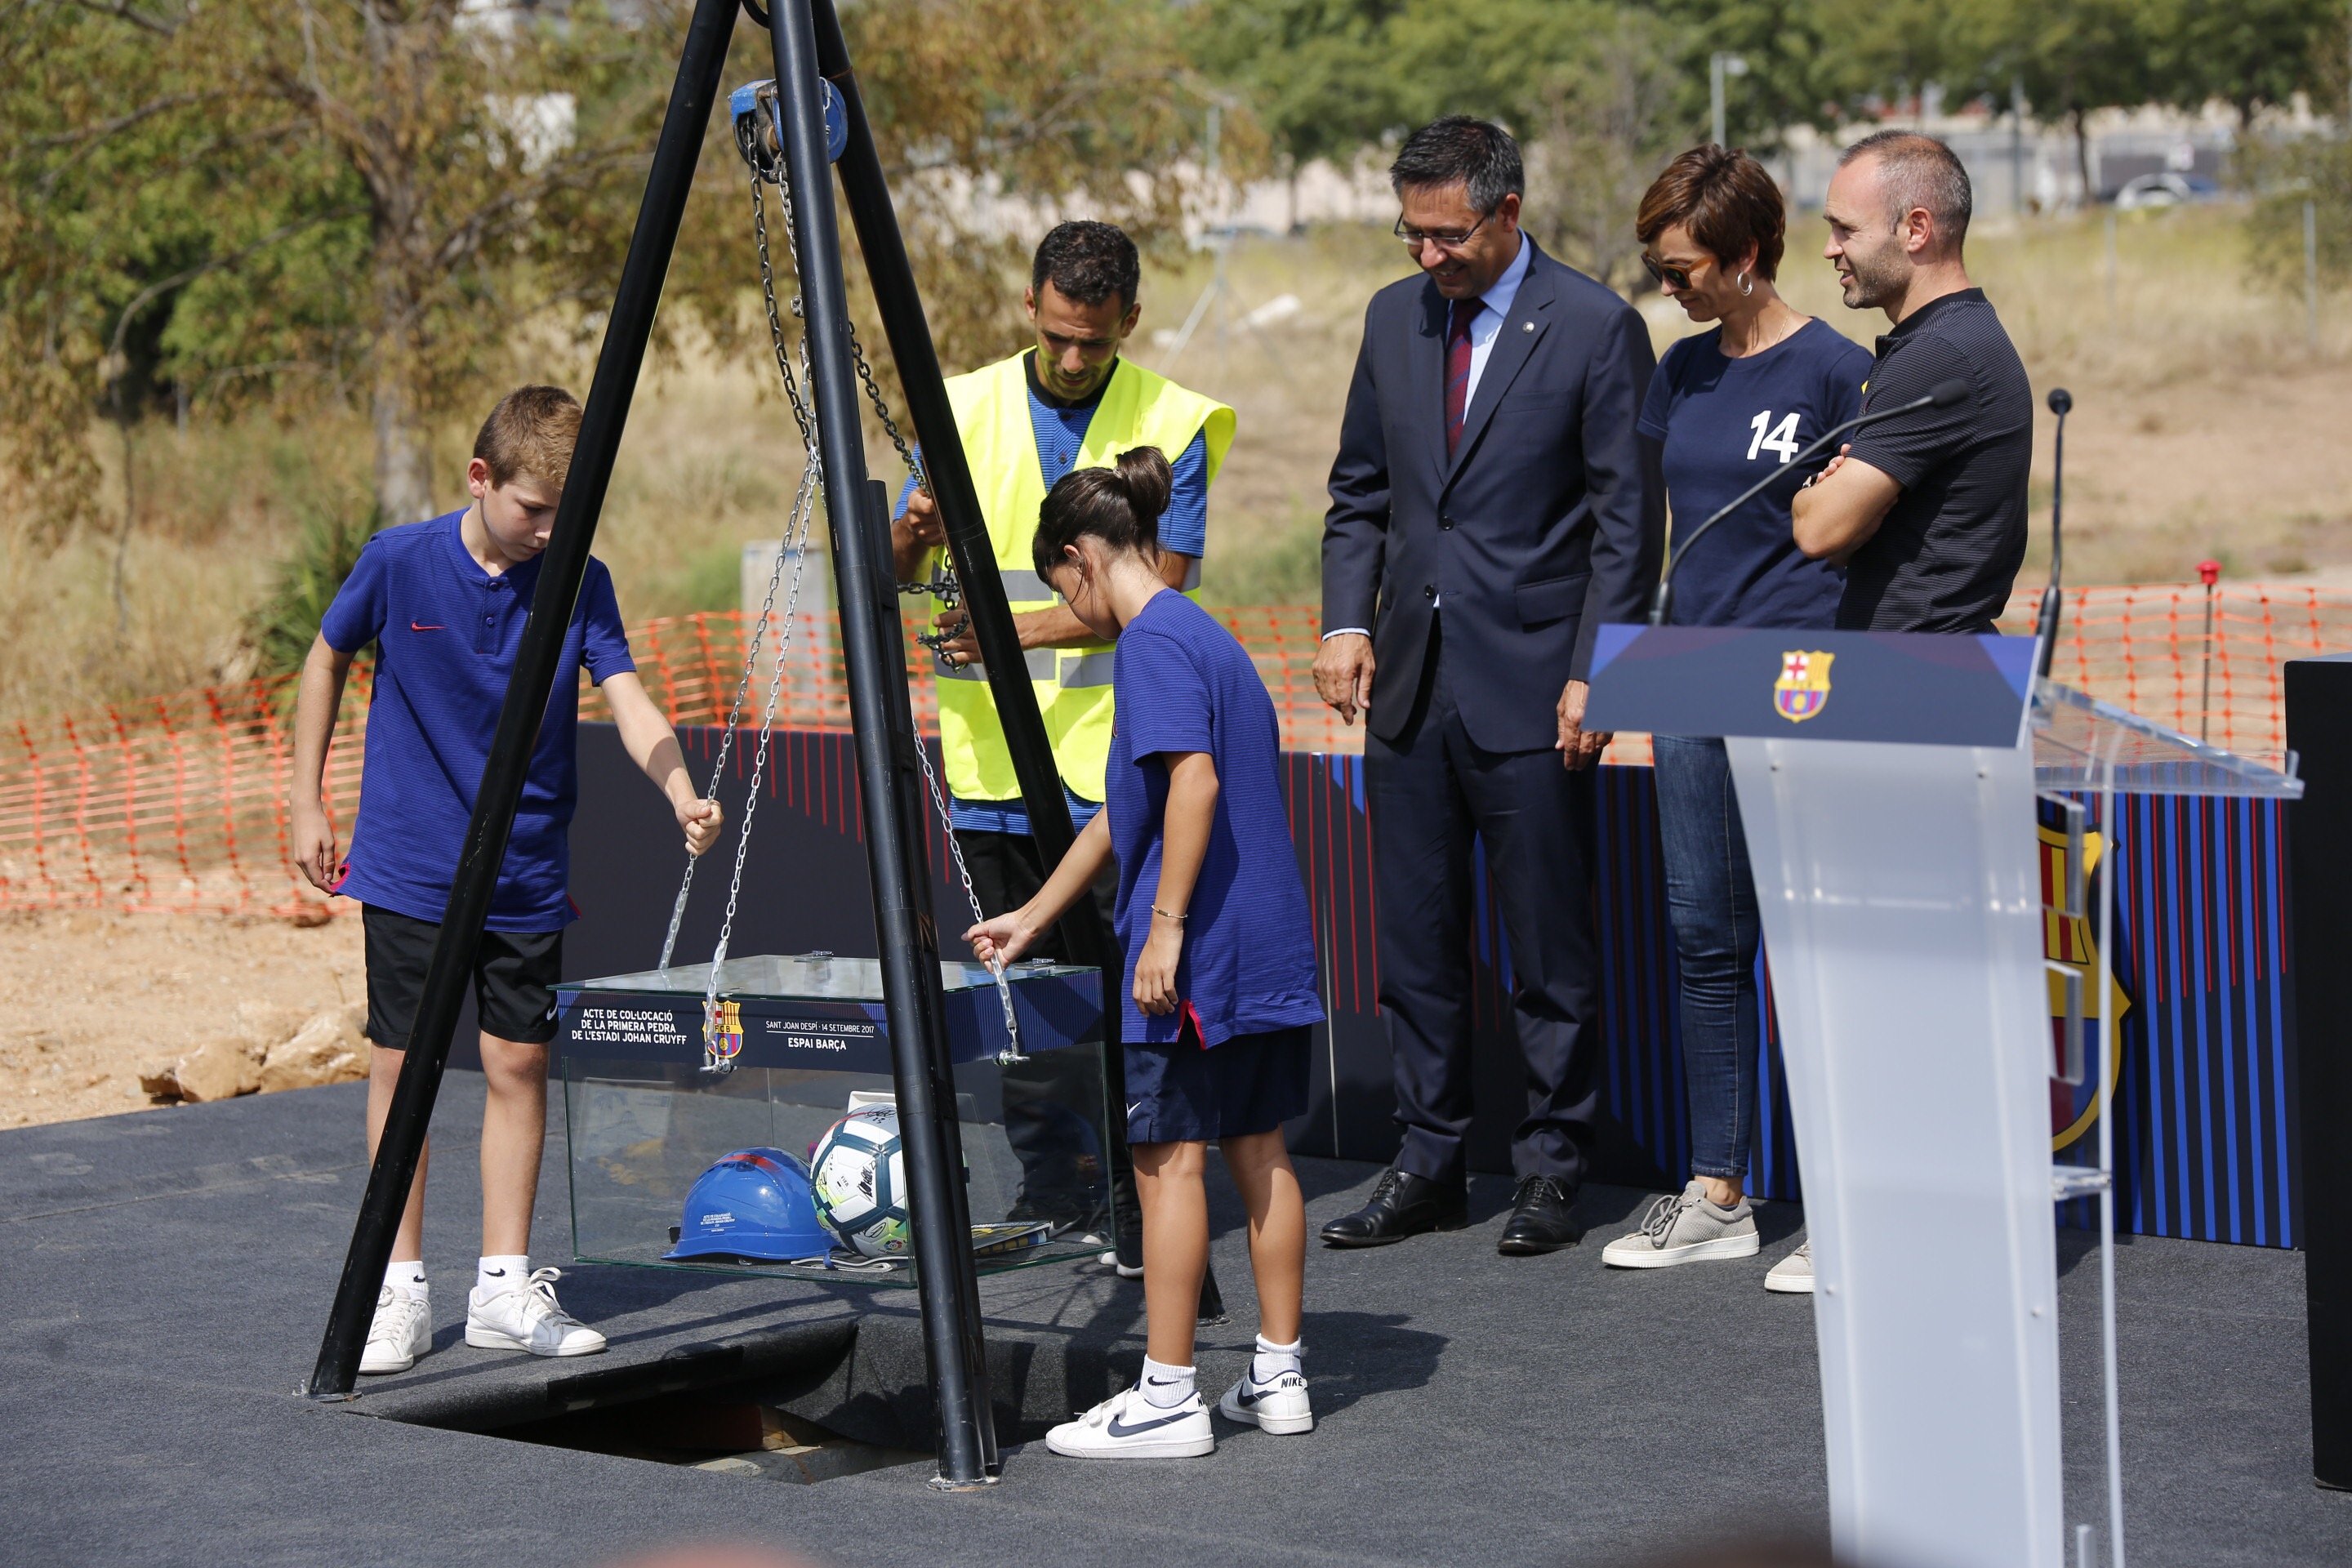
x: 1056, y: 1108
x: 1432, y: 791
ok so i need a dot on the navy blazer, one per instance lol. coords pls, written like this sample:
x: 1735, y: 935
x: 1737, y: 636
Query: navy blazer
x: 1548, y: 520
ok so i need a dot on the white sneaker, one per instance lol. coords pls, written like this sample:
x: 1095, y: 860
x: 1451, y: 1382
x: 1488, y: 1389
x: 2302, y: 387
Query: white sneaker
x: 402, y: 1332
x: 1683, y: 1227
x: 1793, y: 1275
x: 1129, y: 1427
x: 527, y: 1316
x: 1277, y: 1406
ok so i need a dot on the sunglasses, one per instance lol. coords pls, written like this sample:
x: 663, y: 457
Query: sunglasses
x: 1660, y: 273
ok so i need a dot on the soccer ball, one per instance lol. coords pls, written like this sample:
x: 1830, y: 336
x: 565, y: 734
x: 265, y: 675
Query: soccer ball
x: 859, y: 1176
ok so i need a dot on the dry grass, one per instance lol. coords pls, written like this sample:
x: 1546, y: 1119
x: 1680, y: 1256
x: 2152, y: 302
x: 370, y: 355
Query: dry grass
x: 2205, y: 425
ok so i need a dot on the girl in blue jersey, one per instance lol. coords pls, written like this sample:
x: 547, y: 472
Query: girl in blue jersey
x: 1219, y: 958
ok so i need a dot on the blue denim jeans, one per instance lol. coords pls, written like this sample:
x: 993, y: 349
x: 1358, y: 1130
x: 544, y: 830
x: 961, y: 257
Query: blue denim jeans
x: 1711, y: 898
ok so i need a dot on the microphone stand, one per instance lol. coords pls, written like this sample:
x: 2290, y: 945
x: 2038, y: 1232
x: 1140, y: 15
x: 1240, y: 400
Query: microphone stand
x: 2045, y: 623
x: 1942, y: 395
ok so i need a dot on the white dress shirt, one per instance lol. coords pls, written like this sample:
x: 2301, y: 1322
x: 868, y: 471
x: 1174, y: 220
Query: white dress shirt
x: 1487, y: 324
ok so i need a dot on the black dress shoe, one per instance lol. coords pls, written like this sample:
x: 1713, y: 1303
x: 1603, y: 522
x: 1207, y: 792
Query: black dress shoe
x: 1539, y: 1220
x: 1403, y: 1204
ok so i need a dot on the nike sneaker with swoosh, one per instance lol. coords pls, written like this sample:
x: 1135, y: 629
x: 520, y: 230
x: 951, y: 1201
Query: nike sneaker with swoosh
x: 1277, y: 1406
x: 1129, y: 1427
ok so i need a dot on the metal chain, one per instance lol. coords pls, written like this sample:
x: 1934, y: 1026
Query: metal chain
x: 803, y: 509
x: 943, y: 586
x: 794, y: 544
x: 1012, y: 1051
x: 801, y: 417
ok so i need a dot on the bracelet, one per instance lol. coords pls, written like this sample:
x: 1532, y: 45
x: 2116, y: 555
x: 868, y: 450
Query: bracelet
x: 1171, y: 914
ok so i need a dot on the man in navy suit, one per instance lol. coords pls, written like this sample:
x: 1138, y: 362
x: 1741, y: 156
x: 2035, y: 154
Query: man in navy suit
x: 1491, y: 507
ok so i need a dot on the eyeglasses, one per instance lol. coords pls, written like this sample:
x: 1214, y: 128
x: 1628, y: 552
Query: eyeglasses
x: 1660, y: 273
x: 1445, y: 239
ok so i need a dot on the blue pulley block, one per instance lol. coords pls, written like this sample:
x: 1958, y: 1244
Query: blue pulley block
x: 753, y: 106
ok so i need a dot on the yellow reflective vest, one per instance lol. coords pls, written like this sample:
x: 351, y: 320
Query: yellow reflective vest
x: 1072, y: 684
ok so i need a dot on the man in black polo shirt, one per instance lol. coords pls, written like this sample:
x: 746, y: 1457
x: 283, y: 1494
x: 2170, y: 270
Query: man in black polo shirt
x: 1926, y: 511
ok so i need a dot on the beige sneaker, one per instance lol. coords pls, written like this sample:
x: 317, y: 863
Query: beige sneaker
x: 1685, y: 1228
x: 1793, y: 1275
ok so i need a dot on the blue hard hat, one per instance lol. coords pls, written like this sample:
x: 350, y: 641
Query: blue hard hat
x: 753, y: 1203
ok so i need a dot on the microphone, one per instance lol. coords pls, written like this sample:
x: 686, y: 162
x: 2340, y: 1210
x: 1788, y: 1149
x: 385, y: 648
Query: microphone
x: 2045, y: 623
x: 1943, y: 395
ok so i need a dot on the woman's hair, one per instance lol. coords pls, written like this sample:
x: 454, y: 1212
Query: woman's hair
x: 1726, y: 198
x: 1120, y: 506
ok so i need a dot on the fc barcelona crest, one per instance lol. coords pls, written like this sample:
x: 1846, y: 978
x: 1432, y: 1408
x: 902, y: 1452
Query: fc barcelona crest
x: 722, y: 1036
x: 1803, y: 689
x: 2068, y: 940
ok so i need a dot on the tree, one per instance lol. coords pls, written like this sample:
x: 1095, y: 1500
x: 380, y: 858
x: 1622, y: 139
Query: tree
x: 366, y: 196
x: 2073, y: 56
x: 1594, y: 91
x: 996, y: 117
x: 2250, y: 53
x: 1807, y: 60
x: 391, y: 202
x: 1319, y: 74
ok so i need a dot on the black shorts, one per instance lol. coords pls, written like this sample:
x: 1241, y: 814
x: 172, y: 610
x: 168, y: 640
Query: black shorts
x: 514, y: 978
x: 1184, y: 1093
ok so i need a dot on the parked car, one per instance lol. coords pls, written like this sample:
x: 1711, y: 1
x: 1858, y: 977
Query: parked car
x: 2165, y: 190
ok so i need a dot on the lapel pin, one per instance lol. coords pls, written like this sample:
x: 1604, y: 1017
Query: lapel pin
x: 1527, y: 326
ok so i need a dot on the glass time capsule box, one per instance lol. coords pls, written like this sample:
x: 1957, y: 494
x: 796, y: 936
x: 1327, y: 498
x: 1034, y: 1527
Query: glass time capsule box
x: 769, y: 1142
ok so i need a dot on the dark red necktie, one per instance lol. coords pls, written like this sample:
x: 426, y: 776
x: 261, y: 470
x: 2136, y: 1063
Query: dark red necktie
x: 1457, y: 370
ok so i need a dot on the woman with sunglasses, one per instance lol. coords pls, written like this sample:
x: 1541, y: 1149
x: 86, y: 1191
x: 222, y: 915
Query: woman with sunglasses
x: 1725, y: 405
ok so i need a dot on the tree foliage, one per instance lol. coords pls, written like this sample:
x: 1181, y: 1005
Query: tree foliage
x: 395, y: 204
x: 345, y: 198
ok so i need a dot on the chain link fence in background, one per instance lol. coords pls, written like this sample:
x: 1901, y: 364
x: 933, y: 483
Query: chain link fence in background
x: 179, y: 802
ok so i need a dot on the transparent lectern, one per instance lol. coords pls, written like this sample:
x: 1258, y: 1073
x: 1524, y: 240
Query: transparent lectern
x: 1888, y: 785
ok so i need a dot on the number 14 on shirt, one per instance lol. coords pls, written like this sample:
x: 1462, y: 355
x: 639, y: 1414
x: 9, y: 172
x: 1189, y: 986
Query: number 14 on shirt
x: 1782, y: 439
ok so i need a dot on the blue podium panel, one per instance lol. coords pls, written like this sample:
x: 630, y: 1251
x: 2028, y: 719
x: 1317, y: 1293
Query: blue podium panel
x: 1892, y: 687
x: 802, y: 1042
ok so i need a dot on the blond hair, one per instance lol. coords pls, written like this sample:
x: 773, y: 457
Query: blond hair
x: 530, y: 434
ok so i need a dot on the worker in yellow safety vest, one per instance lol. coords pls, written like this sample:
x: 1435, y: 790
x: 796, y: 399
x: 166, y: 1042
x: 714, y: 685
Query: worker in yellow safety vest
x: 1070, y: 400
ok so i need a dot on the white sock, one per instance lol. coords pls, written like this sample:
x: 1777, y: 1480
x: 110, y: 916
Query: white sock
x: 1165, y: 1387
x: 504, y: 1273
x: 1272, y: 1360
x: 407, y: 1280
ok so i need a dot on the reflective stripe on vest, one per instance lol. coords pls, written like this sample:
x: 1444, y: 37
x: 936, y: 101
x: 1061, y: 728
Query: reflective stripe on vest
x: 1074, y: 684
x: 1039, y: 660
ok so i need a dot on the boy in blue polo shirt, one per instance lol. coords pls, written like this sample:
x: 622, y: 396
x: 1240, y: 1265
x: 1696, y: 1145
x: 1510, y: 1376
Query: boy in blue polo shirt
x: 444, y: 601
x: 1220, y: 957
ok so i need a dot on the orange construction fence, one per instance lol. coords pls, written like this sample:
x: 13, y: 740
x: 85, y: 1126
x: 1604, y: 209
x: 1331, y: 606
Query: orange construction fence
x: 179, y: 802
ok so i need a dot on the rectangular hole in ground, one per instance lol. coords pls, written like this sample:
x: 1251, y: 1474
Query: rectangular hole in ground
x: 718, y: 1430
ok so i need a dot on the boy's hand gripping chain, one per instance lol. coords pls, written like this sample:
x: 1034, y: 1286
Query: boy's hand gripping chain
x: 756, y: 139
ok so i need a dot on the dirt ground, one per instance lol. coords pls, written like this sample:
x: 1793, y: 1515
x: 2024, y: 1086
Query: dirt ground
x: 87, y: 998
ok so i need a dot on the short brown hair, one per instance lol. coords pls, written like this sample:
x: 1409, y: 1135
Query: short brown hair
x: 1727, y: 200
x: 1917, y: 170
x: 530, y: 434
